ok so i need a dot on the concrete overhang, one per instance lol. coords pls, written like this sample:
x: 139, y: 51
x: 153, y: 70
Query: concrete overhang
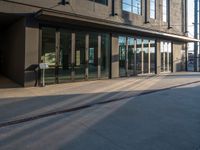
x: 72, y: 18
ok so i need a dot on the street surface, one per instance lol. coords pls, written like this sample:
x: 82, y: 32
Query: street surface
x: 136, y: 113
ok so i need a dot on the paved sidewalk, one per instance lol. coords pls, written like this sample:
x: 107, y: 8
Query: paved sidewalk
x: 120, y: 114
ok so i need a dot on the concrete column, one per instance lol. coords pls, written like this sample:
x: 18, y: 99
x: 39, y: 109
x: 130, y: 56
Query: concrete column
x: 73, y: 55
x: 149, y: 57
x: 115, y: 56
x: 177, y: 56
x: 99, y: 56
x: 86, y: 55
x: 158, y: 57
x: 31, y: 38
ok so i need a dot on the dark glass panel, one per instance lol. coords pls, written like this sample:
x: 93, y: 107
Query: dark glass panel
x: 139, y: 56
x: 122, y: 56
x: 93, y: 55
x: 146, y: 56
x: 49, y: 53
x: 131, y: 56
x: 152, y: 56
x: 80, y: 56
x: 105, y: 55
x: 64, y: 68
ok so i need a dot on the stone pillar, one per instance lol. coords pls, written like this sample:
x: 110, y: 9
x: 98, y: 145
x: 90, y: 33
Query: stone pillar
x: 115, y: 56
x: 177, y: 56
x: 158, y: 57
x: 32, y: 52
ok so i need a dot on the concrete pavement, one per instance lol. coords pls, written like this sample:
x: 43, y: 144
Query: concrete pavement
x: 128, y: 120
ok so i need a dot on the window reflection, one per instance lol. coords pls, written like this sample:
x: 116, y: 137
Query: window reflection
x: 131, y: 56
x: 139, y: 56
x: 93, y: 55
x: 122, y: 56
x: 166, y: 56
x: 49, y: 53
x: 133, y: 6
x: 80, y: 56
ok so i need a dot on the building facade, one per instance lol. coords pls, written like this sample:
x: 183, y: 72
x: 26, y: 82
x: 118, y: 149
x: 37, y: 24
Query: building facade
x: 91, y: 39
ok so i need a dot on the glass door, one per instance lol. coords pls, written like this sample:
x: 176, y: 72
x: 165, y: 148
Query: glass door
x: 139, y: 56
x: 80, y: 61
x: 93, y: 56
x: 48, y: 54
x: 146, y: 56
x: 64, y: 63
x: 166, y: 56
x: 131, y: 56
x: 105, y: 55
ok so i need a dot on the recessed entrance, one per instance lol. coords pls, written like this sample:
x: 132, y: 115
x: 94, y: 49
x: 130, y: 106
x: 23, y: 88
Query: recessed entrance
x: 75, y: 55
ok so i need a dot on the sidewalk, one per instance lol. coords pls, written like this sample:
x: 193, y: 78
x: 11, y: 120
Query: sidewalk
x: 166, y: 119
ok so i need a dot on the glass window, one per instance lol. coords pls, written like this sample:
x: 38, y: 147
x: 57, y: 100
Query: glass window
x: 93, y: 55
x: 105, y: 55
x: 146, y: 55
x: 166, y: 56
x: 122, y: 56
x: 64, y: 68
x: 133, y: 6
x: 153, y: 9
x: 139, y: 56
x: 104, y: 2
x: 80, y: 56
x: 49, y: 53
x: 131, y: 56
x: 165, y: 10
x: 136, y: 6
x: 152, y: 55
